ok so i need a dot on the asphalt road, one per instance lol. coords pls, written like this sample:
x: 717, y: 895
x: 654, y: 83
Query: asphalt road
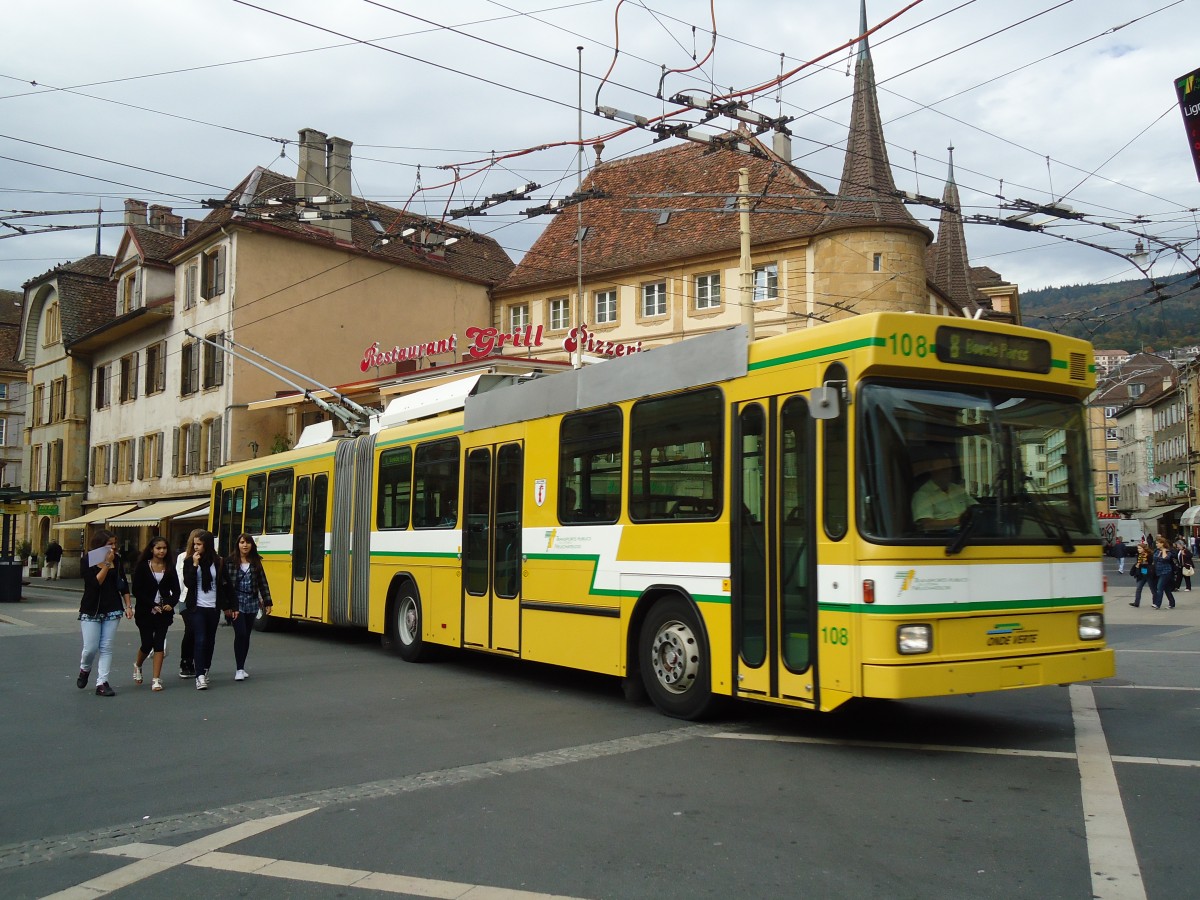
x: 338, y: 770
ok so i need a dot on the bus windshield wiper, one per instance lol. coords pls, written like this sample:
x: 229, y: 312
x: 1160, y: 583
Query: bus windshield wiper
x: 966, y: 528
x: 1046, y: 518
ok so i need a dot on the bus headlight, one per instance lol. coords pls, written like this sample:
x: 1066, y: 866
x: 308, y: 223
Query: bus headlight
x: 912, y: 639
x: 1091, y: 627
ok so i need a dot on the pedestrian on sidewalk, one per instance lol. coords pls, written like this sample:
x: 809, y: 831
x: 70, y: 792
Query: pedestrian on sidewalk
x: 155, y: 593
x: 105, y: 601
x: 209, y: 594
x: 1118, y: 550
x: 1141, y: 572
x: 244, y: 569
x: 1184, y: 556
x: 187, y: 648
x: 52, y: 558
x: 1163, y: 572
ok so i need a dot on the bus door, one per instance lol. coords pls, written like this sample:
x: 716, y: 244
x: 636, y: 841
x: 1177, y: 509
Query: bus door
x: 491, y: 548
x: 773, y: 562
x: 308, y: 547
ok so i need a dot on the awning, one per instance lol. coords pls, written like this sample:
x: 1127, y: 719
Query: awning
x: 156, y: 512
x: 99, y: 514
x: 1155, y: 512
x: 1191, y: 516
x: 201, y: 513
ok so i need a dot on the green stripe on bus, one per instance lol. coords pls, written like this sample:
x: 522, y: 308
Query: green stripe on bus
x: 1000, y: 606
x: 424, y: 436
x: 823, y: 351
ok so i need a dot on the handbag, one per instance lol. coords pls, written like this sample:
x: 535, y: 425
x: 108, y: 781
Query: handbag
x: 1189, y: 571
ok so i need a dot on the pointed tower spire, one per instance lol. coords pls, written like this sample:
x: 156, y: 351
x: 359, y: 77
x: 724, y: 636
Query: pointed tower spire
x: 951, y: 269
x: 867, y: 193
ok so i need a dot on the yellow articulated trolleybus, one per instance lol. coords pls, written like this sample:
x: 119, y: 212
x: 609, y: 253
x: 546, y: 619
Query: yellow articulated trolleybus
x: 891, y: 506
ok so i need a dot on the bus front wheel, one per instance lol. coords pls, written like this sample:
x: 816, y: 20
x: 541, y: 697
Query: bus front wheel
x: 674, y: 660
x: 406, y: 627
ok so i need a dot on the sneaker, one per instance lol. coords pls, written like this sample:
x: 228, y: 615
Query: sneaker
x: 241, y: 675
x: 156, y: 684
x: 137, y: 675
x: 187, y: 670
x: 202, y: 682
x: 82, y: 680
x: 1135, y: 605
x: 103, y: 690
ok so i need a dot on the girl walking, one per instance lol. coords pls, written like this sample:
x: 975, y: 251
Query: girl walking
x: 1163, y: 566
x: 244, y: 570
x: 208, y: 594
x: 105, y: 600
x: 155, y: 597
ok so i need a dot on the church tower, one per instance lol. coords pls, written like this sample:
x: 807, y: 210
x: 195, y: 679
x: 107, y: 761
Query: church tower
x: 869, y: 252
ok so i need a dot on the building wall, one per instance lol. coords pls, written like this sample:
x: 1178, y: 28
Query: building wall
x: 845, y: 275
x: 290, y: 298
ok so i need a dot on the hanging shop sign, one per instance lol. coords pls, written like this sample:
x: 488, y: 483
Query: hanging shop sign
x: 485, y: 342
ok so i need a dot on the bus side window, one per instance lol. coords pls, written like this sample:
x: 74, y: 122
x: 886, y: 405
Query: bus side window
x: 279, y: 501
x: 836, y: 465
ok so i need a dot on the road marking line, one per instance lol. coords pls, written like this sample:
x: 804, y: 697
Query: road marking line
x: 53, y: 847
x: 9, y: 620
x: 894, y: 745
x: 1116, y: 874
x: 950, y: 748
x: 171, y: 857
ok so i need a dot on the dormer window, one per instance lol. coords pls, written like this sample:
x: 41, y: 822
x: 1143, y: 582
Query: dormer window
x: 129, y: 297
x: 52, y: 326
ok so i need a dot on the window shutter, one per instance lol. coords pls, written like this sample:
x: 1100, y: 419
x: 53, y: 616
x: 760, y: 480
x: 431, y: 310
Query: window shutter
x: 159, y: 455
x: 178, y: 452
x: 141, y: 463
x: 219, y: 273
x: 214, y: 443
x: 100, y: 387
x: 160, y: 376
x: 94, y: 467
x: 194, y: 368
x: 133, y: 376
x: 193, y: 449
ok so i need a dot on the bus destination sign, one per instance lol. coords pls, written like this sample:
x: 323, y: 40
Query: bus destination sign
x: 966, y: 347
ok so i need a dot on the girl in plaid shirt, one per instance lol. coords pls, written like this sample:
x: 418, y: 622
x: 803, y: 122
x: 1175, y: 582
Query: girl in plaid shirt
x: 244, y: 569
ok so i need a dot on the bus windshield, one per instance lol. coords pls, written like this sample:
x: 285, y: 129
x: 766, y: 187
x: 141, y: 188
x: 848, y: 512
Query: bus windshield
x: 962, y: 466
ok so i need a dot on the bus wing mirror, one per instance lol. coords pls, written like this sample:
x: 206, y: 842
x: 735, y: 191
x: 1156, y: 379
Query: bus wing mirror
x: 823, y: 402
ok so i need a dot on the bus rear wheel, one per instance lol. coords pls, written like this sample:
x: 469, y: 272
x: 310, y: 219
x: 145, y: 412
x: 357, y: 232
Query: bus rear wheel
x: 406, y: 627
x: 674, y: 660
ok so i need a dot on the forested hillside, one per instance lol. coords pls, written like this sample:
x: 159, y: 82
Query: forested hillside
x: 1120, y: 314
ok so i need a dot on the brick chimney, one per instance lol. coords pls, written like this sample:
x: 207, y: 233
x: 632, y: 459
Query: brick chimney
x: 325, y: 168
x: 311, y: 175
x: 135, y: 212
x: 337, y: 176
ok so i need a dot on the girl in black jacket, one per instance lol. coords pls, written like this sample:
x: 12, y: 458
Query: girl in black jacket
x: 209, y: 594
x: 155, y: 594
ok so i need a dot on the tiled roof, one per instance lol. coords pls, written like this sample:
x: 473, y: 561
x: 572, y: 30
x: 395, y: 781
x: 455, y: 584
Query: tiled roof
x: 626, y: 228
x: 98, y: 265
x: 867, y: 193
x: 474, y: 257
x: 10, y: 307
x: 155, y: 245
x: 9, y: 339
x: 950, y: 270
x: 86, y: 296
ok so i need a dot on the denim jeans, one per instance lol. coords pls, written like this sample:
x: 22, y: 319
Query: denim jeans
x: 1162, y: 584
x: 204, y: 625
x: 98, y: 641
x: 242, y: 626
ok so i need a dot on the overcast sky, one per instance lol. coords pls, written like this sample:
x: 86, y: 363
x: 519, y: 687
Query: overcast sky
x: 176, y: 102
